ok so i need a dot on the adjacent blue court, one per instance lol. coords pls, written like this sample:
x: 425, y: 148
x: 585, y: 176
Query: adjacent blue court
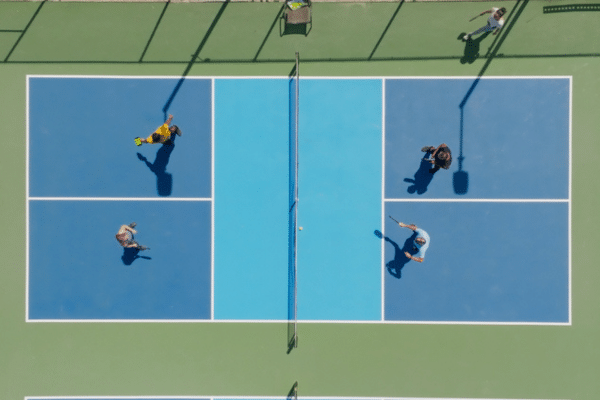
x: 219, y: 245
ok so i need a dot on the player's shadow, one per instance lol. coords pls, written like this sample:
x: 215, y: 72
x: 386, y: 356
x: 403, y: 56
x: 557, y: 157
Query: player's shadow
x: 164, y: 180
x: 130, y: 255
x: 471, y: 52
x: 394, y: 267
x: 422, y: 178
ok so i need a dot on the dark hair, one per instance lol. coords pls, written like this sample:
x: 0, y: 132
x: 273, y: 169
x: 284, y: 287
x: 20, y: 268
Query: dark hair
x: 503, y: 10
x: 156, y: 137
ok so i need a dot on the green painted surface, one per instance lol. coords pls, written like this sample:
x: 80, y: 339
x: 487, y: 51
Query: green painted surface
x: 79, y: 359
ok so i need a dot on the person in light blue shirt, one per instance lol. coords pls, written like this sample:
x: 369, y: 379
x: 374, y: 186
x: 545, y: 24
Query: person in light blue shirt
x: 421, y: 242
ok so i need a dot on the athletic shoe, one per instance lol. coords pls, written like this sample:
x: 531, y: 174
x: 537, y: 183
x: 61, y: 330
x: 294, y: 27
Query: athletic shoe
x: 143, y: 248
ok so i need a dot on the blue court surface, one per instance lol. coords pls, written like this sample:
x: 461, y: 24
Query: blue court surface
x: 82, y: 130
x: 78, y: 270
x: 498, y: 219
x: 488, y: 262
x: 513, y: 135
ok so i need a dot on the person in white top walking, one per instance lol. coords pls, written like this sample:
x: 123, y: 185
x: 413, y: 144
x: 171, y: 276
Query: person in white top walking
x: 495, y: 22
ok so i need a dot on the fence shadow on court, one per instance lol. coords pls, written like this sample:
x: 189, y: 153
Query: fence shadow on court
x: 195, y: 56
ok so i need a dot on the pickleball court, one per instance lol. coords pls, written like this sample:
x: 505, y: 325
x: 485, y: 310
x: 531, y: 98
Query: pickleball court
x: 213, y: 207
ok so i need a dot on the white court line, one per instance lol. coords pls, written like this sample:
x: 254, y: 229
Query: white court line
x: 477, y: 200
x: 27, y: 197
x: 570, y: 195
x: 212, y: 205
x: 237, y: 397
x: 214, y: 78
x: 382, y: 77
x: 312, y: 322
x: 383, y: 113
x: 120, y: 199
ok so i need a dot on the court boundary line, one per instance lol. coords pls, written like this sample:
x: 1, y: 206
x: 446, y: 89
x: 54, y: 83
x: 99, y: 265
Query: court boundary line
x: 383, y: 132
x: 258, y: 77
x: 212, y: 204
x: 213, y: 79
x: 237, y: 397
x: 27, y: 223
x: 120, y: 199
x: 312, y: 322
x: 475, y: 200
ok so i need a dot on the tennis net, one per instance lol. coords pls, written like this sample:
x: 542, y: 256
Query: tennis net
x: 294, y: 80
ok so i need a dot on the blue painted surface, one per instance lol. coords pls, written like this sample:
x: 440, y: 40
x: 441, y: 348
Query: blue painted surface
x: 339, y: 277
x: 515, y: 137
x: 251, y: 199
x: 78, y: 270
x: 82, y: 130
x: 497, y: 278
x: 487, y: 262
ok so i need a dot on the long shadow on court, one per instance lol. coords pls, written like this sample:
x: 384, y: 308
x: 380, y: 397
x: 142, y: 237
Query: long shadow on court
x: 461, y: 177
x: 164, y: 180
x: 194, y: 57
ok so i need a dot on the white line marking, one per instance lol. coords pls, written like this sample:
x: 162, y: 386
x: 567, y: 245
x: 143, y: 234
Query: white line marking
x: 26, y: 197
x: 477, y: 200
x: 383, y: 111
x: 254, y: 398
x: 212, y: 206
x: 120, y: 199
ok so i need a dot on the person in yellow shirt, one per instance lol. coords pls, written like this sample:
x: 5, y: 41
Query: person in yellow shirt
x: 163, y: 133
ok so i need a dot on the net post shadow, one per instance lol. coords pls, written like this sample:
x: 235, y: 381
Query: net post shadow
x: 460, y: 179
x: 194, y: 58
